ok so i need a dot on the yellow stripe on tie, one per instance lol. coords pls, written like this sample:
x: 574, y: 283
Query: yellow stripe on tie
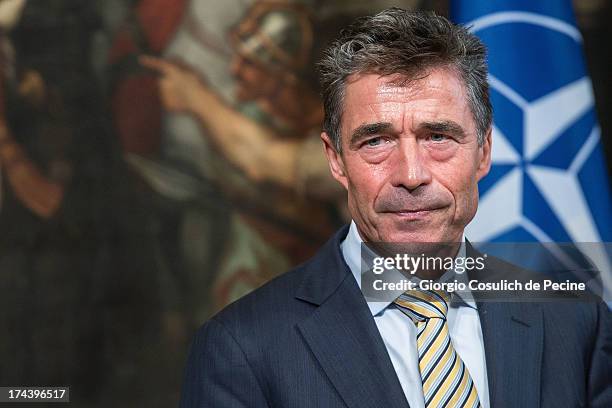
x: 447, y: 385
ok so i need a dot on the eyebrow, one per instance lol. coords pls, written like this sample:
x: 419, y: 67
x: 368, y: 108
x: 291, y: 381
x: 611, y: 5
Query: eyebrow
x: 368, y: 129
x: 445, y: 126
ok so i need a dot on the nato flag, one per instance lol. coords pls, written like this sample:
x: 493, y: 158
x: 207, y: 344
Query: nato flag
x: 548, y: 182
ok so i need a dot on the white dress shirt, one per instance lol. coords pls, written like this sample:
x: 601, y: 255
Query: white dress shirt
x: 399, y: 333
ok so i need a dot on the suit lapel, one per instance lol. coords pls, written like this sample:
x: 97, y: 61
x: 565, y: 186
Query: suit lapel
x: 513, y: 340
x: 342, y: 334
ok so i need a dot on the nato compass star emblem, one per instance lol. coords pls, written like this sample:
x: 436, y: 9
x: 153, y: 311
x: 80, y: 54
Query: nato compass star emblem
x: 545, y: 135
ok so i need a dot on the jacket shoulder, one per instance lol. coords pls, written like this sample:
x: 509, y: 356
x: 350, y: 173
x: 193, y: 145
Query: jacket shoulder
x: 277, y: 303
x: 275, y: 297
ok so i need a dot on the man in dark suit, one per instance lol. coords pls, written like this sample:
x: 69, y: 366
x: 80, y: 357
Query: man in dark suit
x: 408, y: 133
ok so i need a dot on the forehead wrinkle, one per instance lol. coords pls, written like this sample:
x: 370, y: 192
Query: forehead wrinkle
x: 394, y: 111
x: 388, y: 94
x: 407, y: 91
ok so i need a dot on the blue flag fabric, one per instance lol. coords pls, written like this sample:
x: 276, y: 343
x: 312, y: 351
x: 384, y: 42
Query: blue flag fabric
x: 548, y: 181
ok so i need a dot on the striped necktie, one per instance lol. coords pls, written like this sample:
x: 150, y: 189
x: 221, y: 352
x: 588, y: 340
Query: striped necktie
x: 446, y: 380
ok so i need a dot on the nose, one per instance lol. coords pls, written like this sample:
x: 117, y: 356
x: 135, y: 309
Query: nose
x: 411, y: 170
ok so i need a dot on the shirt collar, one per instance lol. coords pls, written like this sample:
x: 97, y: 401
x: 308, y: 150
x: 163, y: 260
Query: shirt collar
x: 351, y: 251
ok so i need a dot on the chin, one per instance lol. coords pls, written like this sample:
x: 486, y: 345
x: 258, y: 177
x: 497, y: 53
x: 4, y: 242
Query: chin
x: 399, y: 236
x: 399, y: 230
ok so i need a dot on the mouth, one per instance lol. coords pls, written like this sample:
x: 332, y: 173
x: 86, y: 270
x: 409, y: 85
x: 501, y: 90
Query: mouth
x: 413, y: 214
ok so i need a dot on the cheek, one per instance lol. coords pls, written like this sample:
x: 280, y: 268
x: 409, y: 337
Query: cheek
x: 460, y: 181
x: 466, y: 196
x: 365, y: 181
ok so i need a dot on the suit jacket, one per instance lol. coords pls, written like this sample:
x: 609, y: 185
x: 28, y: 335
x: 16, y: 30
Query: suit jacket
x: 308, y: 339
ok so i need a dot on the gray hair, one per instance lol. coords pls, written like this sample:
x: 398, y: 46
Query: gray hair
x: 396, y: 41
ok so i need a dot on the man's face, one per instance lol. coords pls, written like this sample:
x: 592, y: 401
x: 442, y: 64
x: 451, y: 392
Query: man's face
x: 253, y: 82
x: 410, y: 157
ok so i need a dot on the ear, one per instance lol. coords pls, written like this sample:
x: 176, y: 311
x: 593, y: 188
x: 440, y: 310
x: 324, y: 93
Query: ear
x: 334, y: 159
x: 485, y: 156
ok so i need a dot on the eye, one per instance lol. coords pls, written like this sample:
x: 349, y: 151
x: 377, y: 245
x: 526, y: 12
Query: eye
x: 375, y: 141
x: 438, y: 137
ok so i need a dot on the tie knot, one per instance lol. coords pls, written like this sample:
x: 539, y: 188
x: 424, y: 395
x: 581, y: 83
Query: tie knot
x: 422, y: 305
